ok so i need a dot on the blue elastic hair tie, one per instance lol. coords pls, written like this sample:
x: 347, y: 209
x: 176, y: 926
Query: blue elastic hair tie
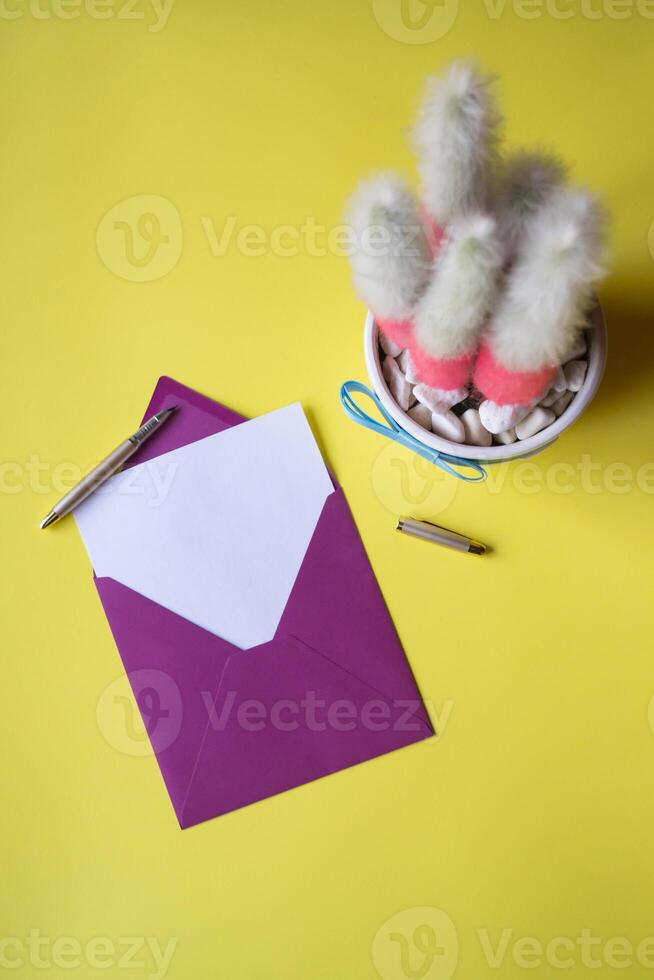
x: 393, y: 431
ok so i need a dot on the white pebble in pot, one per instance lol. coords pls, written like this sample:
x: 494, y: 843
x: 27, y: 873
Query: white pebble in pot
x: 575, y: 372
x: 498, y: 418
x: 420, y: 414
x: 438, y: 400
x: 448, y: 426
x: 398, y: 385
x: 549, y: 398
x: 559, y: 383
x: 506, y: 438
x: 562, y: 403
x: 476, y: 434
x: 406, y: 367
x: 539, y: 419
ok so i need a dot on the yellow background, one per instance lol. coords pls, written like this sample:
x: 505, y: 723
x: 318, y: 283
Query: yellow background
x: 532, y: 811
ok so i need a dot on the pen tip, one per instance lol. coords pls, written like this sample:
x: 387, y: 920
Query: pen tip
x: 47, y: 521
x: 166, y: 413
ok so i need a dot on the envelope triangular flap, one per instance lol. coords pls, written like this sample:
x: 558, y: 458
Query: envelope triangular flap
x: 286, y: 715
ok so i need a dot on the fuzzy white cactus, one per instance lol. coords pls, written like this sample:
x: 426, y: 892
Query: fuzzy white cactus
x: 550, y: 286
x: 391, y: 258
x: 454, y: 309
x: 455, y: 140
x: 525, y: 182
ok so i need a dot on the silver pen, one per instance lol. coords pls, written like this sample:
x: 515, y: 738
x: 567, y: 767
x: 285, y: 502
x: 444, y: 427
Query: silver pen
x: 100, y: 473
x: 440, y: 535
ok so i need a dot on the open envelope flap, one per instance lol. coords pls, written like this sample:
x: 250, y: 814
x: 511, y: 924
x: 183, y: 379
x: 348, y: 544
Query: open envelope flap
x: 285, y: 715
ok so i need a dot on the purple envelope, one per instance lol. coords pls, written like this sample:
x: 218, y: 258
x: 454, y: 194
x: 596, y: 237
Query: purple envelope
x: 331, y: 689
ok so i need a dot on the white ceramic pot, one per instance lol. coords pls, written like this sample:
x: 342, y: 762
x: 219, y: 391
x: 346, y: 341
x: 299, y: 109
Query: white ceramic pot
x: 597, y: 346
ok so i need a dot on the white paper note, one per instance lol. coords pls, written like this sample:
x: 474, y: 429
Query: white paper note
x: 215, y: 531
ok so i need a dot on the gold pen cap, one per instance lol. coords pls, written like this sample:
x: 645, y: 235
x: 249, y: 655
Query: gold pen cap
x: 440, y: 535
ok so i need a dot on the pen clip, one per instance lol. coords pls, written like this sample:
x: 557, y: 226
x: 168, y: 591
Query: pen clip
x: 393, y: 431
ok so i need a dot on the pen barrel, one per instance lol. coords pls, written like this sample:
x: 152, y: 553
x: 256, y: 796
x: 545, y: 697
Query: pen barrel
x: 439, y: 535
x: 96, y: 477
